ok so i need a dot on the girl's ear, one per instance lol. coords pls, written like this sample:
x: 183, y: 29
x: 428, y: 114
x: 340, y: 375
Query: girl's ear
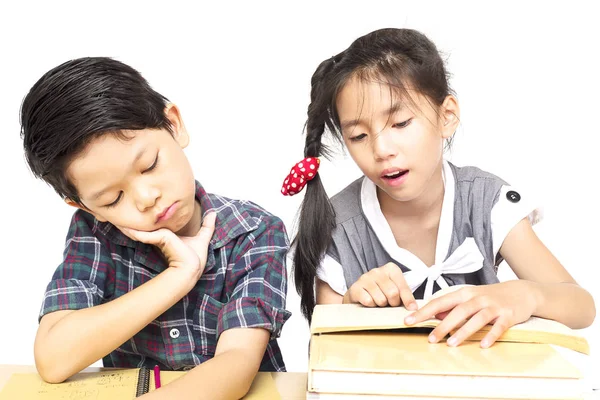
x: 450, y: 116
x: 82, y: 207
x: 180, y: 133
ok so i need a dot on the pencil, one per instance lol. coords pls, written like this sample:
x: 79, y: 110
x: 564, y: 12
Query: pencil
x: 156, y: 377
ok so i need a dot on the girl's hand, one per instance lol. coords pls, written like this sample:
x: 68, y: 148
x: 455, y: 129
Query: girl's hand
x: 381, y: 287
x: 187, y: 254
x: 471, y: 308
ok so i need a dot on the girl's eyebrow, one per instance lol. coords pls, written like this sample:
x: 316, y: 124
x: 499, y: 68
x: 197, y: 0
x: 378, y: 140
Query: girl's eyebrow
x: 397, y: 106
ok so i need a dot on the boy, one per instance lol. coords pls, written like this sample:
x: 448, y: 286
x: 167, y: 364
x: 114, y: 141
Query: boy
x: 155, y: 270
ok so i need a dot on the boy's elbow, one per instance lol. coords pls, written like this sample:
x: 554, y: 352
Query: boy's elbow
x: 587, y: 311
x: 49, y: 367
x: 50, y: 375
x: 591, y: 312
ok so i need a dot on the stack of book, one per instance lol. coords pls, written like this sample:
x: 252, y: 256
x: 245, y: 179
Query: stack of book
x: 359, y: 353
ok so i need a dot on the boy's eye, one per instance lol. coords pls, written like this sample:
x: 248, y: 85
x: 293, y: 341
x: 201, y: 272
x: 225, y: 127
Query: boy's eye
x: 403, y: 124
x: 114, y: 203
x: 358, y: 138
x: 154, y: 164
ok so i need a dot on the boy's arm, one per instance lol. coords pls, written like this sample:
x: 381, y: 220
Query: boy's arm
x: 69, y: 340
x: 254, y: 314
x: 228, y: 375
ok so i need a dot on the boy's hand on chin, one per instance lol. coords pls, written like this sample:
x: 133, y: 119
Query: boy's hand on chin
x: 187, y: 254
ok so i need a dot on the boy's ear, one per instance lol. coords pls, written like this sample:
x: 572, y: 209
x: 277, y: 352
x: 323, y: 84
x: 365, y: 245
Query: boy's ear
x: 180, y: 134
x: 82, y: 207
x: 450, y: 116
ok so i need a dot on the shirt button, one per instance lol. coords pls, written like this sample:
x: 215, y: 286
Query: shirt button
x: 174, y: 333
x: 513, y: 196
x: 188, y: 367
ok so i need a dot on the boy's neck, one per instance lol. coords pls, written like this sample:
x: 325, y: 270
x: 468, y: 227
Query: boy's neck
x: 193, y: 226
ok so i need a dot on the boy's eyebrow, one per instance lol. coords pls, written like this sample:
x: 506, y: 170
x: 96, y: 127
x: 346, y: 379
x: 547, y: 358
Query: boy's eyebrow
x: 99, y: 194
x: 397, y: 106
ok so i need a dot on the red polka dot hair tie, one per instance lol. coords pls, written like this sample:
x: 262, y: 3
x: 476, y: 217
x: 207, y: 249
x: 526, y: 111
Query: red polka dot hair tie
x: 301, y: 173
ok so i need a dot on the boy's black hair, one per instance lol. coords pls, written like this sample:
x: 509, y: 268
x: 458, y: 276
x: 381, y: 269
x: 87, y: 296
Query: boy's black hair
x: 401, y: 59
x: 78, y: 101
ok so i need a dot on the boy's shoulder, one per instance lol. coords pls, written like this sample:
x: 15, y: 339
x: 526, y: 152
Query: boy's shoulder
x: 239, y: 217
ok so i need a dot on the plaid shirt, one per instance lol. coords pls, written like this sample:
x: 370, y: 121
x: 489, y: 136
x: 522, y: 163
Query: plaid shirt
x: 244, y: 284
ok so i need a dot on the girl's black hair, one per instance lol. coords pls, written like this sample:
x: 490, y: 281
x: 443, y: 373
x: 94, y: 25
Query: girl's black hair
x: 402, y: 59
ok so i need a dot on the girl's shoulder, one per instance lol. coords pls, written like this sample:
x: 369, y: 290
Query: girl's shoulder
x: 346, y: 203
x: 470, y: 174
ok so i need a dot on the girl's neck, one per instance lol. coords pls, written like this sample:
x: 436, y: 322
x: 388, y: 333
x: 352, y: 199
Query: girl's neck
x: 430, y: 201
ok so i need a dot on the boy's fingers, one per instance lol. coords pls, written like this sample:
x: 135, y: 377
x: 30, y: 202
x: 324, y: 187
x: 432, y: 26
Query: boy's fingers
x: 207, y: 229
x: 162, y: 238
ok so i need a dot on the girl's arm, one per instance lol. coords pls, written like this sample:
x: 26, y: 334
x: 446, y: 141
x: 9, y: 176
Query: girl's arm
x: 545, y: 289
x: 558, y: 296
x: 325, y: 294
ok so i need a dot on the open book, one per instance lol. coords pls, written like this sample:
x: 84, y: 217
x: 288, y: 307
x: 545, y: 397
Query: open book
x: 350, y: 317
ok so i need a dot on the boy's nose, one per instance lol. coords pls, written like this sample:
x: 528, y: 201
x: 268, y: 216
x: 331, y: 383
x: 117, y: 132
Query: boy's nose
x: 146, y: 198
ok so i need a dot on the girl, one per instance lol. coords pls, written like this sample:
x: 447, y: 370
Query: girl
x: 415, y: 223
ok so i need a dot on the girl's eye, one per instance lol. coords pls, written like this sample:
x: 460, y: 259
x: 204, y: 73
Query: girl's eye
x: 358, y: 138
x: 402, y: 124
x: 154, y: 164
x: 114, y: 203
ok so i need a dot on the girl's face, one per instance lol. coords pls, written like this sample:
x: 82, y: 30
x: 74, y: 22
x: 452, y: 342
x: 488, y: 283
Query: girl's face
x: 398, y: 144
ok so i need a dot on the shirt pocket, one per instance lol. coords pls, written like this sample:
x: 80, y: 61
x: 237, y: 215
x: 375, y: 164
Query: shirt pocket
x: 206, y: 320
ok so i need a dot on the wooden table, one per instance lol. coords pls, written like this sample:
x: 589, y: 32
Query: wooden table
x: 291, y: 385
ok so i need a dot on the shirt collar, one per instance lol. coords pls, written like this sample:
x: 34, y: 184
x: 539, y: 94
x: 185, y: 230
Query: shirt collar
x: 231, y: 222
x: 372, y: 211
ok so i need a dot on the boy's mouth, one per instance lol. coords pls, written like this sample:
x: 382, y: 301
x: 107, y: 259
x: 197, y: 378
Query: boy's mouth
x: 166, y: 213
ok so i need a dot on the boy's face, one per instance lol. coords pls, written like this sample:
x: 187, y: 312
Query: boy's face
x: 143, y: 183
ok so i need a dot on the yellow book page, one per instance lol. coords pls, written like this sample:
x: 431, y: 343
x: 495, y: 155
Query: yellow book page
x: 106, y: 385
x: 393, y: 352
x: 109, y: 385
x: 263, y: 386
x: 540, y: 330
x: 352, y: 317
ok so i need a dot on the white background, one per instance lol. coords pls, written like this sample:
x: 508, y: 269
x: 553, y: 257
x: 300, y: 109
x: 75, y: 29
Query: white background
x: 526, y: 75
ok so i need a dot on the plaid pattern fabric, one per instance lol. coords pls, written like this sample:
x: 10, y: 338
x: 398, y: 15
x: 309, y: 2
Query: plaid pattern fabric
x: 244, y: 284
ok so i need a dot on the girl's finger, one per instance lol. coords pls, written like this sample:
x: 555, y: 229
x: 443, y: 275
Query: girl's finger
x: 433, y: 308
x: 406, y: 295
x: 500, y: 326
x: 453, y: 320
x: 473, y: 325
